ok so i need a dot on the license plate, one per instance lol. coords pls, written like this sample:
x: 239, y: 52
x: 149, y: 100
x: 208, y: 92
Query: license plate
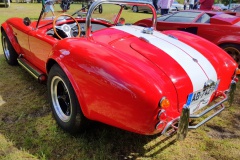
x: 200, y: 98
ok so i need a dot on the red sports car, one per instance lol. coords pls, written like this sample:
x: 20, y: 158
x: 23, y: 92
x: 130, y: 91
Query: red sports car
x: 127, y: 76
x: 217, y: 27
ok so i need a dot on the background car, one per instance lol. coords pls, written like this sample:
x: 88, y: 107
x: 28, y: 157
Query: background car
x: 233, y: 5
x: 217, y: 27
x: 236, y: 9
x: 222, y: 6
x: 136, y: 8
x: 131, y: 77
x: 177, y: 5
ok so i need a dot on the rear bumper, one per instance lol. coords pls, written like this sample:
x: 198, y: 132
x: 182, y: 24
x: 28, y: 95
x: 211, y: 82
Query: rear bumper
x: 181, y: 124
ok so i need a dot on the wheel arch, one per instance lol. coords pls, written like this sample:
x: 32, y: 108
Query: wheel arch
x: 233, y: 49
x: 8, y: 30
x: 77, y: 90
x: 228, y: 43
x: 228, y: 39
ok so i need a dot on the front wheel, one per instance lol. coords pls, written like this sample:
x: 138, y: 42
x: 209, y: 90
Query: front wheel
x: 64, y: 104
x: 233, y: 50
x: 8, y: 50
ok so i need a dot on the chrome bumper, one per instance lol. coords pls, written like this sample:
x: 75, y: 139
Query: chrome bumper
x: 181, y: 124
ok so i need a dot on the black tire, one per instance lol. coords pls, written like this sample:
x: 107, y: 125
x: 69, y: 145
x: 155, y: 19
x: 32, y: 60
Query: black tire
x: 64, y: 104
x: 135, y: 9
x: 8, y: 50
x: 233, y: 50
x: 100, y: 9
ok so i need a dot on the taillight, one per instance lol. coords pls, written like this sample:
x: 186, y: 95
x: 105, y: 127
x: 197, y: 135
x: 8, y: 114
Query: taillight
x: 164, y: 103
x: 162, y: 116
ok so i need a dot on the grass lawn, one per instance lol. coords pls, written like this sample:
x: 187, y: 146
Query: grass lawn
x: 28, y: 130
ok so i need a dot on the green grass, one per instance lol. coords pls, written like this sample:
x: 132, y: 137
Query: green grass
x: 28, y: 131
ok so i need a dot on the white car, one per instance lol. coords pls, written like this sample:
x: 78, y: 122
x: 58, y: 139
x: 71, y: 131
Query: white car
x: 177, y: 5
x: 222, y: 6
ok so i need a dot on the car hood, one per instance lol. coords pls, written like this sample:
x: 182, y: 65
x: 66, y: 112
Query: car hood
x: 186, y: 66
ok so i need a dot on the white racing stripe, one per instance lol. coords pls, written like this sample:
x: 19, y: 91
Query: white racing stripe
x: 180, y: 52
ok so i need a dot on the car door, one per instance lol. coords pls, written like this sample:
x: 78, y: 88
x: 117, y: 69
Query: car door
x: 40, y: 45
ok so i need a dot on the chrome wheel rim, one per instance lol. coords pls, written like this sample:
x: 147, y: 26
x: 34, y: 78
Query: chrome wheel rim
x: 234, y: 53
x: 135, y: 9
x: 5, y: 48
x: 61, y: 99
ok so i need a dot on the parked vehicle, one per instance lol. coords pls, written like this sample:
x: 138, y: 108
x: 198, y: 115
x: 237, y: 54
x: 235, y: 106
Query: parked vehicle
x: 131, y: 77
x: 177, y: 5
x: 233, y: 5
x: 218, y: 27
x: 221, y: 6
x: 236, y: 9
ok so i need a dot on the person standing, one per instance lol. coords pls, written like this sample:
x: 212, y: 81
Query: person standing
x: 191, y: 4
x: 155, y: 4
x: 186, y: 2
x: 65, y: 5
x: 165, y: 6
x: 195, y: 6
x: 206, y: 4
x: 47, y: 6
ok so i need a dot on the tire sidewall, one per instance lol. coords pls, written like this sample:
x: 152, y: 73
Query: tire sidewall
x: 73, y: 124
x: 12, y: 59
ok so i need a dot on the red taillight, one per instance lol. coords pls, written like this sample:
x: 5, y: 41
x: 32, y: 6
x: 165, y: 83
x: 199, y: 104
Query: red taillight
x: 160, y: 125
x: 162, y: 115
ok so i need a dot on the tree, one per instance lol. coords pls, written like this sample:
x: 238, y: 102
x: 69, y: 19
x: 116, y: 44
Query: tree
x: 226, y: 2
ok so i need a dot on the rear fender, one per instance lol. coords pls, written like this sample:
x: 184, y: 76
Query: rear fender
x: 108, y: 73
x: 59, y: 56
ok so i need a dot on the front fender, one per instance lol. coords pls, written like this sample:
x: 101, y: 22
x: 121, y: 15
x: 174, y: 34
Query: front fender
x: 8, y: 30
x: 229, y: 39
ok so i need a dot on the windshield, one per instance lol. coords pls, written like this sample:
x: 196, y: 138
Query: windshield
x: 107, y: 11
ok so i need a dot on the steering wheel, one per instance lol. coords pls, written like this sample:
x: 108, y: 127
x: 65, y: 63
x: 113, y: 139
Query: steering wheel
x: 66, y: 28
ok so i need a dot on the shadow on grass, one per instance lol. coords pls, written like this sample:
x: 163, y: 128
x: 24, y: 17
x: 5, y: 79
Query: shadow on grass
x: 26, y: 120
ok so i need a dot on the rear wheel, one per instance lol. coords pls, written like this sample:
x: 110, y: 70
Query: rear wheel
x: 233, y: 50
x: 135, y: 9
x: 64, y: 104
x: 8, y: 50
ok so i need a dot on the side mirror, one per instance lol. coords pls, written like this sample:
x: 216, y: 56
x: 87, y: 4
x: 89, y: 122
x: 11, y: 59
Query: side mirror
x: 26, y: 21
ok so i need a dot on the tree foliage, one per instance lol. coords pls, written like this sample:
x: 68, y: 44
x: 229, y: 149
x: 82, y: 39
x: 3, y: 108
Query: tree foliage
x: 226, y: 2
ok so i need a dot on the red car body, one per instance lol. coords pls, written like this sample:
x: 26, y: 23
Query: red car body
x: 130, y: 77
x: 217, y: 27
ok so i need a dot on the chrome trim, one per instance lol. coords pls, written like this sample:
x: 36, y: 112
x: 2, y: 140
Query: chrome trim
x: 159, y: 123
x: 183, y: 123
x: 160, y: 113
x: 36, y: 73
x: 231, y: 92
x: 148, y: 30
x: 160, y: 102
x: 125, y: 2
x: 172, y: 127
